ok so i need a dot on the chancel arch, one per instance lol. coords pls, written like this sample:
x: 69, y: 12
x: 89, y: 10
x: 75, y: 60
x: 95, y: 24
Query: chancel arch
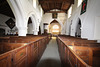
x: 78, y: 28
x: 32, y: 23
x: 55, y: 27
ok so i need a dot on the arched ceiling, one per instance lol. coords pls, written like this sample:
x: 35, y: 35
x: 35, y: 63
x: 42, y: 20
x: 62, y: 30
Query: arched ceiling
x: 62, y: 5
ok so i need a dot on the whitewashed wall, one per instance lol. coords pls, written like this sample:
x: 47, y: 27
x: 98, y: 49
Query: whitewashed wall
x: 4, y: 26
x: 47, y: 18
x: 87, y: 19
x: 23, y: 9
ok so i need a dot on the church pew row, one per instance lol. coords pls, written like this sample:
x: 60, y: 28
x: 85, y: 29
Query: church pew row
x: 85, y: 53
x: 22, y: 53
x: 4, y: 47
x: 22, y: 39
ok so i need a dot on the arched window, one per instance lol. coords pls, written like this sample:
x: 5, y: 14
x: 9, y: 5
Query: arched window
x: 79, y: 3
x: 55, y: 28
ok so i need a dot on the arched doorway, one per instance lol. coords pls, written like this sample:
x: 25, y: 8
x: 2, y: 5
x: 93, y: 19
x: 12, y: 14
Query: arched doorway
x: 78, y: 29
x: 70, y: 28
x: 54, y: 28
x: 30, y: 27
x: 39, y: 30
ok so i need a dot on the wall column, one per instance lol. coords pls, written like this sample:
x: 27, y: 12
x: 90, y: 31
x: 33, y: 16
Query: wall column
x: 35, y: 32
x: 22, y: 31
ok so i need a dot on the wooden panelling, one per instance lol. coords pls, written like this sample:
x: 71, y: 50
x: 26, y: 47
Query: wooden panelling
x: 20, y: 54
x: 5, y: 60
x: 23, y: 52
x: 80, y: 52
x: 62, y: 5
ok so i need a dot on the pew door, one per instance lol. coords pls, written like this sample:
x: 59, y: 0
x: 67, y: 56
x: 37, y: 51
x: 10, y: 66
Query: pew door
x: 20, y: 57
x: 34, y: 53
x: 5, y: 60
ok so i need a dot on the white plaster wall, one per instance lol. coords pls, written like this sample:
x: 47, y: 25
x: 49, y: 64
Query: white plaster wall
x: 42, y: 27
x: 3, y: 25
x: 22, y: 10
x: 3, y: 19
x: 97, y: 28
x: 47, y: 18
x: 87, y: 19
x: 30, y: 29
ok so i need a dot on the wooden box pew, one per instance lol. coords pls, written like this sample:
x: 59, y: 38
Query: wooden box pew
x: 12, y: 39
x: 64, y: 52
x: 91, y: 55
x: 88, y: 44
x: 71, y: 39
x: 37, y: 50
x: 14, y: 55
x: 73, y: 60
x: 6, y: 59
x: 71, y: 42
x: 38, y: 42
x: 23, y: 40
x: 64, y: 55
x: 4, y: 47
x: 34, y: 50
x: 34, y: 53
x: 31, y: 59
x: 18, y: 40
x: 4, y: 37
x: 5, y: 40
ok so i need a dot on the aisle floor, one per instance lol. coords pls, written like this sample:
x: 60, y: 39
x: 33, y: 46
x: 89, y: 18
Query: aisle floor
x: 50, y: 57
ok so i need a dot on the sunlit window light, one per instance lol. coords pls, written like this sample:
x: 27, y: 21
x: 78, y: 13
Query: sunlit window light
x: 55, y: 28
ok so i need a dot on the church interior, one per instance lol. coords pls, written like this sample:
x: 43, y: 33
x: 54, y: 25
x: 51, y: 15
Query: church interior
x: 49, y: 33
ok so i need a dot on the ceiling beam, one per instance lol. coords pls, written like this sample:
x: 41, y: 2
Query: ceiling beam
x: 68, y: 8
x: 48, y: 6
x: 62, y: 5
x: 57, y: 1
x: 56, y: 11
